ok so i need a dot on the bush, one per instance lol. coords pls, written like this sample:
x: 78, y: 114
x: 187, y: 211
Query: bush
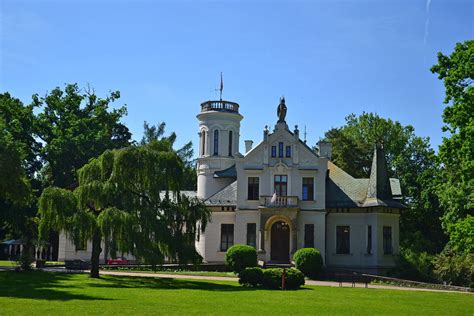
x: 416, y: 266
x: 309, y: 261
x: 251, y: 276
x: 455, y: 269
x: 239, y: 257
x: 272, y: 278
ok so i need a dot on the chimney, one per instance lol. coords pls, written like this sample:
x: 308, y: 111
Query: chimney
x: 325, y: 149
x: 248, y: 145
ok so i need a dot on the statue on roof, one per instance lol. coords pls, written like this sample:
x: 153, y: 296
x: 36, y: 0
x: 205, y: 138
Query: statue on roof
x: 281, y: 110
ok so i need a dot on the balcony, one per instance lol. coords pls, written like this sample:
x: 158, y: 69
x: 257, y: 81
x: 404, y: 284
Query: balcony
x: 221, y: 106
x: 278, y: 201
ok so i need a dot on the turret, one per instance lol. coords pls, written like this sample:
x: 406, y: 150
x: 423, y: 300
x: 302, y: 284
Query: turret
x: 219, y: 131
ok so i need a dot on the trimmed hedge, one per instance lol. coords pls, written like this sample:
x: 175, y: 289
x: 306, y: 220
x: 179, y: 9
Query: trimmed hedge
x: 272, y: 278
x: 309, y: 261
x: 239, y: 257
x: 251, y: 276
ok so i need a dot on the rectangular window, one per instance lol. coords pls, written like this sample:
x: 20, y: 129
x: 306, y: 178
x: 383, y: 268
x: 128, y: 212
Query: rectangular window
x: 82, y: 245
x: 288, y: 151
x: 274, y: 151
x: 343, y: 234
x: 280, y: 149
x: 280, y: 186
x: 369, y: 239
x: 309, y: 235
x: 227, y: 236
x: 230, y: 143
x: 253, y: 188
x: 252, y: 234
x: 387, y: 240
x: 308, y: 189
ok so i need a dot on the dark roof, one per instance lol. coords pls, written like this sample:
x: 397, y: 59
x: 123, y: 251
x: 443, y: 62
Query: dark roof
x: 226, y: 173
x: 225, y: 197
x: 343, y: 190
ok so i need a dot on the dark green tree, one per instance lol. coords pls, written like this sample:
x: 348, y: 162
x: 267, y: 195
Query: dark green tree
x: 186, y: 153
x: 456, y: 153
x: 131, y: 197
x: 75, y: 126
x: 409, y: 158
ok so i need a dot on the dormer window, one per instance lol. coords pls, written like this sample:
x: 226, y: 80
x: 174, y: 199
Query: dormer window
x: 280, y: 149
x: 288, y: 151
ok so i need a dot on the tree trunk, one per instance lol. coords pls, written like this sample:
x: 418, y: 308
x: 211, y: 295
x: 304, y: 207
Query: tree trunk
x: 96, y: 250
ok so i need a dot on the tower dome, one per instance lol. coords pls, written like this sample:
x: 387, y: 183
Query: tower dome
x: 219, y: 131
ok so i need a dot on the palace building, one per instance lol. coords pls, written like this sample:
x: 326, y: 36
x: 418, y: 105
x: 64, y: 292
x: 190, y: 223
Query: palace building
x: 281, y: 195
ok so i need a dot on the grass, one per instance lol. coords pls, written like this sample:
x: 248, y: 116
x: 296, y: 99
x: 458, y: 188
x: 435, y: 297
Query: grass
x: 60, y: 293
x: 7, y: 263
x: 178, y: 272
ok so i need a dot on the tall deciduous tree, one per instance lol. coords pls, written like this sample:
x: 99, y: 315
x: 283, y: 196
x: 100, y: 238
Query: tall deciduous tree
x: 456, y: 153
x: 131, y: 197
x: 75, y: 126
x: 409, y: 158
x: 186, y: 153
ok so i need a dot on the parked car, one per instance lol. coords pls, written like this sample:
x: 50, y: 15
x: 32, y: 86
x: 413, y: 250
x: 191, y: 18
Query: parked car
x: 117, y: 261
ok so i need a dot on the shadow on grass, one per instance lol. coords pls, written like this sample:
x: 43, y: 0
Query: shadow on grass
x: 167, y: 284
x: 41, y: 285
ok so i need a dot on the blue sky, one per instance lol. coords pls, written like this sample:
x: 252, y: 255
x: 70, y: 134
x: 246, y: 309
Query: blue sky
x: 328, y: 58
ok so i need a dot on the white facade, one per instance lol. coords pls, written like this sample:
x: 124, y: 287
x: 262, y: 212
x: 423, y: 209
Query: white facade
x: 281, y: 196
x: 280, y: 213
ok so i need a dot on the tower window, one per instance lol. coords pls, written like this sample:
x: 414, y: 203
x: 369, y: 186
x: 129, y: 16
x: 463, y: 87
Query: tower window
x: 274, y: 151
x: 280, y: 149
x: 216, y: 142
x: 230, y: 143
x: 288, y: 151
x: 203, y: 142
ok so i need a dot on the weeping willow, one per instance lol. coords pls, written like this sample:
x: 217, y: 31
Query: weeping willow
x: 131, y: 198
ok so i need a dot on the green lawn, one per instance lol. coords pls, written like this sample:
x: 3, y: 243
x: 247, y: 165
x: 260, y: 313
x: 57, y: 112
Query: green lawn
x: 7, y: 263
x: 41, y: 293
x: 201, y: 273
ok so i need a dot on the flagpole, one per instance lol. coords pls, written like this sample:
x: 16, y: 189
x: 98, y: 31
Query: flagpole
x: 222, y: 87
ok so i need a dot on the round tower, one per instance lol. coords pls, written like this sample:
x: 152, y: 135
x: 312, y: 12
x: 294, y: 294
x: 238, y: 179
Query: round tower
x: 219, y: 131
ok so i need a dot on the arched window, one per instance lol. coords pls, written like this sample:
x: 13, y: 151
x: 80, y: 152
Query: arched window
x: 203, y: 143
x: 230, y: 143
x: 216, y: 142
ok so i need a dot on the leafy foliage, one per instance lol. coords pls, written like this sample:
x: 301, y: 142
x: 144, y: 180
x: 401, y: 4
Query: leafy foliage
x: 239, y: 257
x: 453, y: 268
x: 456, y: 153
x: 272, y: 278
x: 416, y: 266
x: 252, y: 276
x: 309, y: 261
x: 409, y: 158
x: 120, y: 198
x: 75, y: 126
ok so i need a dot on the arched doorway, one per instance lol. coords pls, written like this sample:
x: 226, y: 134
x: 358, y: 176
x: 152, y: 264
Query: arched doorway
x: 280, y: 242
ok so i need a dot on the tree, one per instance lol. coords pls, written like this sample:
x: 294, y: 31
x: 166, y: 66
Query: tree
x: 409, y: 158
x: 131, y: 197
x: 456, y: 153
x: 75, y: 126
x: 186, y: 153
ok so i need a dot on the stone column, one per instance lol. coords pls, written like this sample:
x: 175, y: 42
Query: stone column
x: 262, y: 241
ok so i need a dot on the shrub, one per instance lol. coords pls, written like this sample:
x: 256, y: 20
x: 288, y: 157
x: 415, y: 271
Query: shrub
x: 251, y: 276
x: 239, y: 257
x: 415, y: 266
x: 456, y: 269
x: 309, y: 261
x: 272, y: 278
